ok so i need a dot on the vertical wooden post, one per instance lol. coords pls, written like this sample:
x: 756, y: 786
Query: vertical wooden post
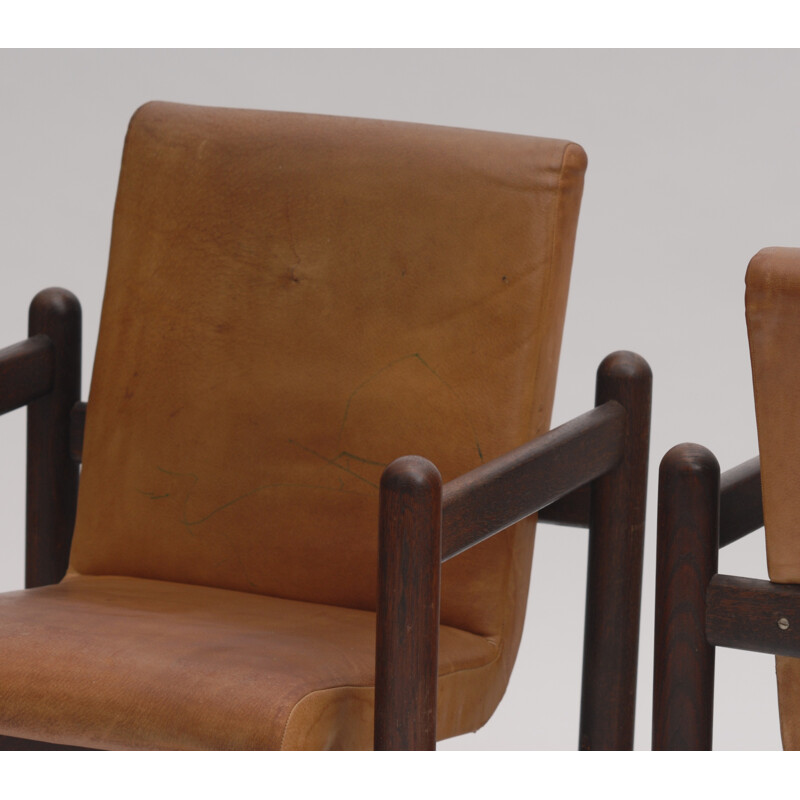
x: 52, y: 491
x: 614, y: 582
x: 409, y: 568
x: 688, y: 549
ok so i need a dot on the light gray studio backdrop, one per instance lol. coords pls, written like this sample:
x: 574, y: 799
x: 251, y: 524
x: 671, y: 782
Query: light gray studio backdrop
x: 693, y: 167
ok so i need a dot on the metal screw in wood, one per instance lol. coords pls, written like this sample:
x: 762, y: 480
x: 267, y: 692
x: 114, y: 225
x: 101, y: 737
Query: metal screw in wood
x: 783, y: 624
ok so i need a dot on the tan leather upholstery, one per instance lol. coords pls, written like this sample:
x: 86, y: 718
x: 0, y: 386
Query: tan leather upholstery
x: 773, y: 322
x: 292, y: 302
x: 171, y: 666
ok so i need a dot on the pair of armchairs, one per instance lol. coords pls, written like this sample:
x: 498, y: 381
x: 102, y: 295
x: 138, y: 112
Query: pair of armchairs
x: 315, y: 446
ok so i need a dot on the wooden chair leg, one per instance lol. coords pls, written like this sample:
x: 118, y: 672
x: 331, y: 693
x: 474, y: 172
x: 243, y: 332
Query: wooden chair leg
x: 614, y: 582
x: 52, y: 492
x: 409, y: 569
x: 688, y: 549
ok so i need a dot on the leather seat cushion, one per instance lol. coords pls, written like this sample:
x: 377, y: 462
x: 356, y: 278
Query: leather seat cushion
x: 129, y: 663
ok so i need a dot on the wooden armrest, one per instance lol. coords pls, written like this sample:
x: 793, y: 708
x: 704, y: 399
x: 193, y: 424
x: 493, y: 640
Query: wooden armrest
x: 494, y: 496
x: 26, y: 371
x: 740, y: 509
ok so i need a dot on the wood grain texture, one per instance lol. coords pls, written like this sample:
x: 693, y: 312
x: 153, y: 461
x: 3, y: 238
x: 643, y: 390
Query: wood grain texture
x: 743, y: 613
x: 614, y: 581
x: 26, y: 372
x: 494, y: 496
x: 740, y: 508
x: 409, y: 570
x: 52, y: 475
x: 688, y: 535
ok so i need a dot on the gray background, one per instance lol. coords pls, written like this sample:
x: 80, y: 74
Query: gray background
x: 692, y: 169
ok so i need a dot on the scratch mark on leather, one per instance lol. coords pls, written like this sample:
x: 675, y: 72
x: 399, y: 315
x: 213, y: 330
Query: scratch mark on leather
x: 235, y: 554
x: 211, y: 513
x: 354, y: 457
x: 190, y: 523
x: 277, y: 485
x: 153, y: 495
x: 458, y: 399
x: 433, y: 372
x: 188, y: 496
x: 334, y: 462
x: 358, y: 389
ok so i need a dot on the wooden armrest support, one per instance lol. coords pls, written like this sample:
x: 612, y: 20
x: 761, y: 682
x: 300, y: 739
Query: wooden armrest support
x: 26, y: 372
x: 52, y: 475
x: 755, y: 615
x: 494, y: 496
x: 698, y: 609
x: 740, y: 509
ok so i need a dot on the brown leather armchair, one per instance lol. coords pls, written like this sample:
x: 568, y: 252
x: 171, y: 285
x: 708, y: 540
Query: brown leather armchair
x: 700, y: 511
x: 293, y: 302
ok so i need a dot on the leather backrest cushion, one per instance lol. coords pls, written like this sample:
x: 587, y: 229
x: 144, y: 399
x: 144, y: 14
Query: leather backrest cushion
x: 773, y: 323
x: 292, y: 302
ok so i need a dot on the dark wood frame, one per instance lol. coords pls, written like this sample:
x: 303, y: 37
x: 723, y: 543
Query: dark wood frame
x: 698, y: 609
x: 590, y: 472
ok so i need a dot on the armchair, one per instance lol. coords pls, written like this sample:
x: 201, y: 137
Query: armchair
x: 294, y: 304
x: 700, y: 511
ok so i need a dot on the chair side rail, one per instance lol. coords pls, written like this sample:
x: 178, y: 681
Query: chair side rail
x: 756, y: 615
x: 26, y: 372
